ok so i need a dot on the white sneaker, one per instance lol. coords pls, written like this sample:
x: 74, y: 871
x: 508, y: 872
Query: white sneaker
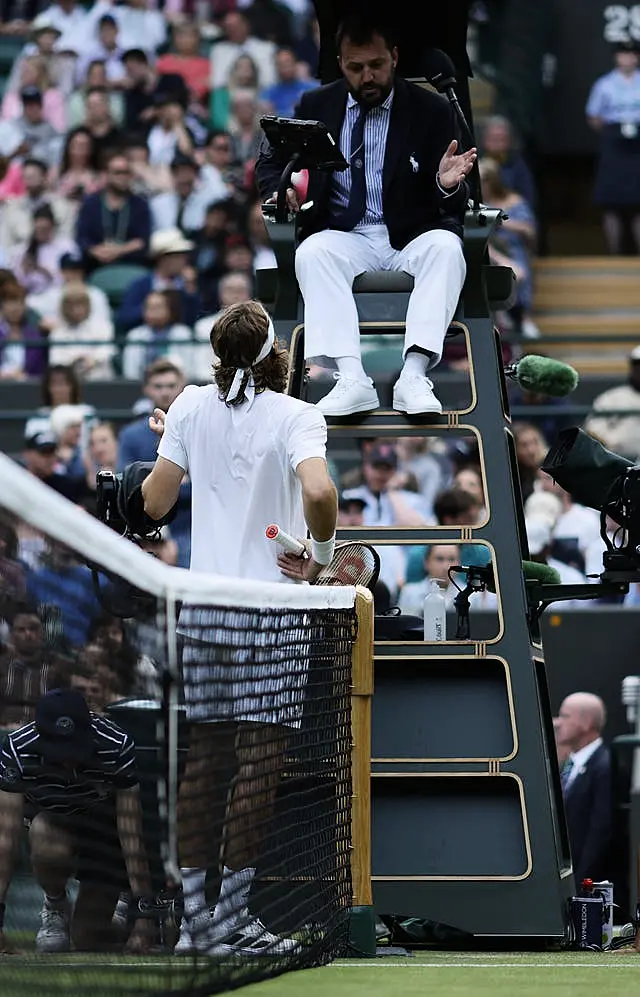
x: 348, y: 397
x: 120, y: 917
x: 414, y: 395
x: 249, y: 937
x: 53, y: 934
x: 196, y: 934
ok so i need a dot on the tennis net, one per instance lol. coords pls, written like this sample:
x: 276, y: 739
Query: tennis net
x: 203, y: 838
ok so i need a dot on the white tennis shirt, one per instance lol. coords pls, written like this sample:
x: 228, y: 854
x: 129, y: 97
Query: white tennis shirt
x: 242, y: 463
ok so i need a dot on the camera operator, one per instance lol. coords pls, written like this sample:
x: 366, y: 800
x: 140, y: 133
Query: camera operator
x: 76, y: 769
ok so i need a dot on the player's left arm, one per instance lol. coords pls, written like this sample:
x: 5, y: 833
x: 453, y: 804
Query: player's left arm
x: 160, y: 490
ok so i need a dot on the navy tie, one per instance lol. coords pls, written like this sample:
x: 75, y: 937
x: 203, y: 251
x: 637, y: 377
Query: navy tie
x: 348, y: 217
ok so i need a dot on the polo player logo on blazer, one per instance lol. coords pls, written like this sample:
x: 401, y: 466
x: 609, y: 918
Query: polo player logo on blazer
x: 415, y: 165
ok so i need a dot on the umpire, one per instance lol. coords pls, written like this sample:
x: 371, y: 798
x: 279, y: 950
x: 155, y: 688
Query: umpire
x: 76, y: 773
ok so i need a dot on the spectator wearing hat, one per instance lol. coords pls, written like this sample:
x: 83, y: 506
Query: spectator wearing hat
x: 185, y: 206
x: 34, y: 73
x: 73, y: 22
x: 77, y: 770
x: 613, y: 110
x: 620, y: 433
x: 171, y: 272
x: 19, y: 359
x: 114, y: 225
x: 41, y: 460
x: 386, y: 503
x: 138, y: 24
x: 45, y: 37
x: 40, y: 138
x: 72, y: 271
x: 36, y: 263
x: 17, y: 215
x: 159, y: 336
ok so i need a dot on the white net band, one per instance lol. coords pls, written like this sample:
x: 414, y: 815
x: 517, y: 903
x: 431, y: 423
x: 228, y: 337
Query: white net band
x: 43, y: 509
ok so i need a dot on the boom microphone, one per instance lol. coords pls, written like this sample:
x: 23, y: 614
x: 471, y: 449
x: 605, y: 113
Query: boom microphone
x: 440, y: 70
x: 543, y: 376
x: 533, y: 571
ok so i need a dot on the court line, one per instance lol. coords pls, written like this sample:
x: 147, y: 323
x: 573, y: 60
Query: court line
x: 410, y: 964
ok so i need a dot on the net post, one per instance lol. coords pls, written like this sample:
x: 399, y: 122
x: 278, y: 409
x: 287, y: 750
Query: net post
x: 362, y: 928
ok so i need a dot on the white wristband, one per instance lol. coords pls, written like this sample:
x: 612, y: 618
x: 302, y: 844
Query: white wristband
x: 322, y: 550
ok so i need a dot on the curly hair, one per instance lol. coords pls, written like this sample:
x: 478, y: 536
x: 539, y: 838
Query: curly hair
x: 237, y: 337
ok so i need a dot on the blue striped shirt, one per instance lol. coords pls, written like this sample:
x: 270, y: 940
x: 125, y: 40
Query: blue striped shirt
x: 376, y: 129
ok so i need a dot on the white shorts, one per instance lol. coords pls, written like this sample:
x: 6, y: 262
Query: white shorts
x: 248, y: 675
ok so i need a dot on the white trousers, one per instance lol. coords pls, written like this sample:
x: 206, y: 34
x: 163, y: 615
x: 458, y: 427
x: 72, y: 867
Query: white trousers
x: 327, y: 263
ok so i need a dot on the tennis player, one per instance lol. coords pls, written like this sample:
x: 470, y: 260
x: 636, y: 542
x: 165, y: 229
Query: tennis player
x: 254, y: 456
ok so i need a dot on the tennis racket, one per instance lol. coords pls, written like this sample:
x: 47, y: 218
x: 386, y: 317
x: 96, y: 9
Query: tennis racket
x: 353, y: 563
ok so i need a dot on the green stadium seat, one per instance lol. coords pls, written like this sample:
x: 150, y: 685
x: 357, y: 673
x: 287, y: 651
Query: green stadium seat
x: 10, y: 49
x: 115, y: 279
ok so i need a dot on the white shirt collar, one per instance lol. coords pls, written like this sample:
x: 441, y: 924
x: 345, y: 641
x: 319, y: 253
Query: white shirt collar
x: 386, y: 104
x: 580, y: 758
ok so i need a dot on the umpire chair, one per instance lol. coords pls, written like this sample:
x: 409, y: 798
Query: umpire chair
x: 468, y: 826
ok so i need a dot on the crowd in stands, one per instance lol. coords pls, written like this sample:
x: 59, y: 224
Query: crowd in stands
x: 129, y: 218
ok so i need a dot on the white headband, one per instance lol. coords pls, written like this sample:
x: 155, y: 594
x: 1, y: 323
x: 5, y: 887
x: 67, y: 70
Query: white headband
x: 267, y: 346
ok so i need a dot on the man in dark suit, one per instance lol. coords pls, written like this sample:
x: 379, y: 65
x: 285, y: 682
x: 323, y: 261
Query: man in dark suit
x: 419, y: 27
x: 399, y: 206
x: 586, y: 784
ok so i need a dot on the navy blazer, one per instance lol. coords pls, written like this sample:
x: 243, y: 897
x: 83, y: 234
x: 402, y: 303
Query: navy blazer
x: 588, y: 807
x: 420, y: 129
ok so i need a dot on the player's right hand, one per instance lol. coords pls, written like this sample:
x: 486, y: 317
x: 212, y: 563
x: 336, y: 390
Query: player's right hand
x: 5, y: 947
x: 156, y: 421
x: 299, y: 569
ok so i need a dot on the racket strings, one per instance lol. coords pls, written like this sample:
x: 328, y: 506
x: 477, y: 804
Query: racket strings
x: 352, y: 564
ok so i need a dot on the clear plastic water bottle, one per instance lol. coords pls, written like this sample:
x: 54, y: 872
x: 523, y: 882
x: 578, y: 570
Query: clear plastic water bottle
x: 435, y: 613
